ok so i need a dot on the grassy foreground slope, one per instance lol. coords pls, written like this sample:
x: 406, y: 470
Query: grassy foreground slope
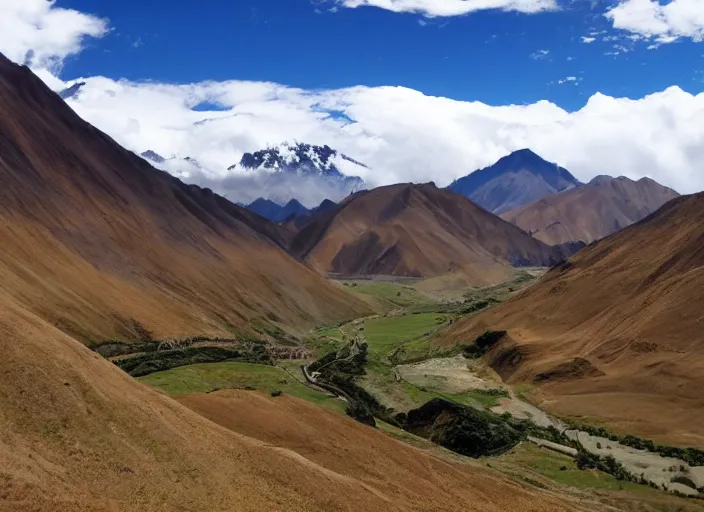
x: 206, y: 378
x: 76, y: 433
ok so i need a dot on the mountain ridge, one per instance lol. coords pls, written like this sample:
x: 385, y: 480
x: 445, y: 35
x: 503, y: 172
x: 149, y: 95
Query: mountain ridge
x: 129, y: 230
x: 416, y: 230
x: 628, y: 304
x: 592, y: 211
x: 515, y: 180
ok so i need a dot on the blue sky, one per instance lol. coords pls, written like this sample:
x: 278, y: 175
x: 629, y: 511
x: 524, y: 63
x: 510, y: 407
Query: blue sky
x: 429, y: 95
x: 484, y: 55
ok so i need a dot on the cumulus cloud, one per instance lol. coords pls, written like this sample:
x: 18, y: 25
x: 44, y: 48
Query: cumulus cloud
x: 438, y: 8
x: 569, y: 79
x: 588, y: 40
x: 401, y: 134
x: 42, y: 35
x: 664, y: 22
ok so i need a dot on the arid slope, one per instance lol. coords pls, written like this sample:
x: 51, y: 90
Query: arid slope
x: 91, y: 240
x: 417, y: 230
x: 95, y: 240
x: 592, y: 211
x: 78, y: 434
x: 631, y: 306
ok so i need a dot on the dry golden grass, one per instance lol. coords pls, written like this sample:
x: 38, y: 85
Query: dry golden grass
x: 76, y: 433
x: 91, y: 239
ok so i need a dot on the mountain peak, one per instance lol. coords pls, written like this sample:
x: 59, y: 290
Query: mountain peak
x: 294, y: 203
x: 591, y: 212
x: 464, y: 237
x: 275, y: 212
x: 307, y: 172
x: 515, y: 180
x: 520, y: 155
x: 153, y: 156
x: 602, y: 179
x: 526, y: 159
x: 298, y: 158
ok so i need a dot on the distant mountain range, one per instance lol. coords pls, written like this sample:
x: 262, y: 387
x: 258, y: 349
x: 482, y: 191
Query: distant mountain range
x: 591, y: 212
x: 566, y: 213
x: 514, y: 181
x: 275, y: 212
x: 417, y: 230
x: 306, y: 173
x: 292, y: 211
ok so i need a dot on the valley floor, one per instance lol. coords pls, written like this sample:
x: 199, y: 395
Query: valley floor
x: 403, y: 371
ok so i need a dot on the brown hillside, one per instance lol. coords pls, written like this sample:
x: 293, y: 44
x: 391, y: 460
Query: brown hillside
x: 93, y: 239
x: 78, y: 434
x: 417, y: 230
x: 592, y: 211
x: 631, y: 307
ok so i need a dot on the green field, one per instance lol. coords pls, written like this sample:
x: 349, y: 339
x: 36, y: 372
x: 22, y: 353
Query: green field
x: 502, y: 291
x: 398, y: 294
x: 205, y: 378
x: 563, y: 470
x: 385, y: 335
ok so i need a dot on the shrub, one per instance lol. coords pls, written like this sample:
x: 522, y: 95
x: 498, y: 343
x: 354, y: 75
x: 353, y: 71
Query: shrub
x: 483, y: 344
x: 462, y: 429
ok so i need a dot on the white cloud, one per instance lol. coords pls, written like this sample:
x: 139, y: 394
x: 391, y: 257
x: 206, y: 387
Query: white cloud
x: 569, y: 79
x: 42, y: 35
x: 540, y: 54
x: 438, y: 8
x: 664, y: 22
x: 402, y: 134
x: 588, y: 40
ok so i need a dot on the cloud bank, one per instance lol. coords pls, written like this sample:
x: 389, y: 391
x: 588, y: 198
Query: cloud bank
x: 401, y: 134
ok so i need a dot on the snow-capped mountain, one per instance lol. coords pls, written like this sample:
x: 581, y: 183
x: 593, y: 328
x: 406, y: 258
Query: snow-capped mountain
x: 303, y: 171
x: 187, y: 169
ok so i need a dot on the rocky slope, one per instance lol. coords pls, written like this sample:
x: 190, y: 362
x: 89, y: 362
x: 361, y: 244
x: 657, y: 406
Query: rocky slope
x: 96, y: 241
x: 630, y: 306
x: 591, y: 212
x: 417, y: 230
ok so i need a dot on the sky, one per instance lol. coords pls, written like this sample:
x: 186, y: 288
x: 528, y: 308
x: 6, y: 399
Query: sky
x: 418, y: 90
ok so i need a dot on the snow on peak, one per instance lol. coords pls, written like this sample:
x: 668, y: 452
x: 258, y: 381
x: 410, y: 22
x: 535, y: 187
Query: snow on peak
x: 299, y: 158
